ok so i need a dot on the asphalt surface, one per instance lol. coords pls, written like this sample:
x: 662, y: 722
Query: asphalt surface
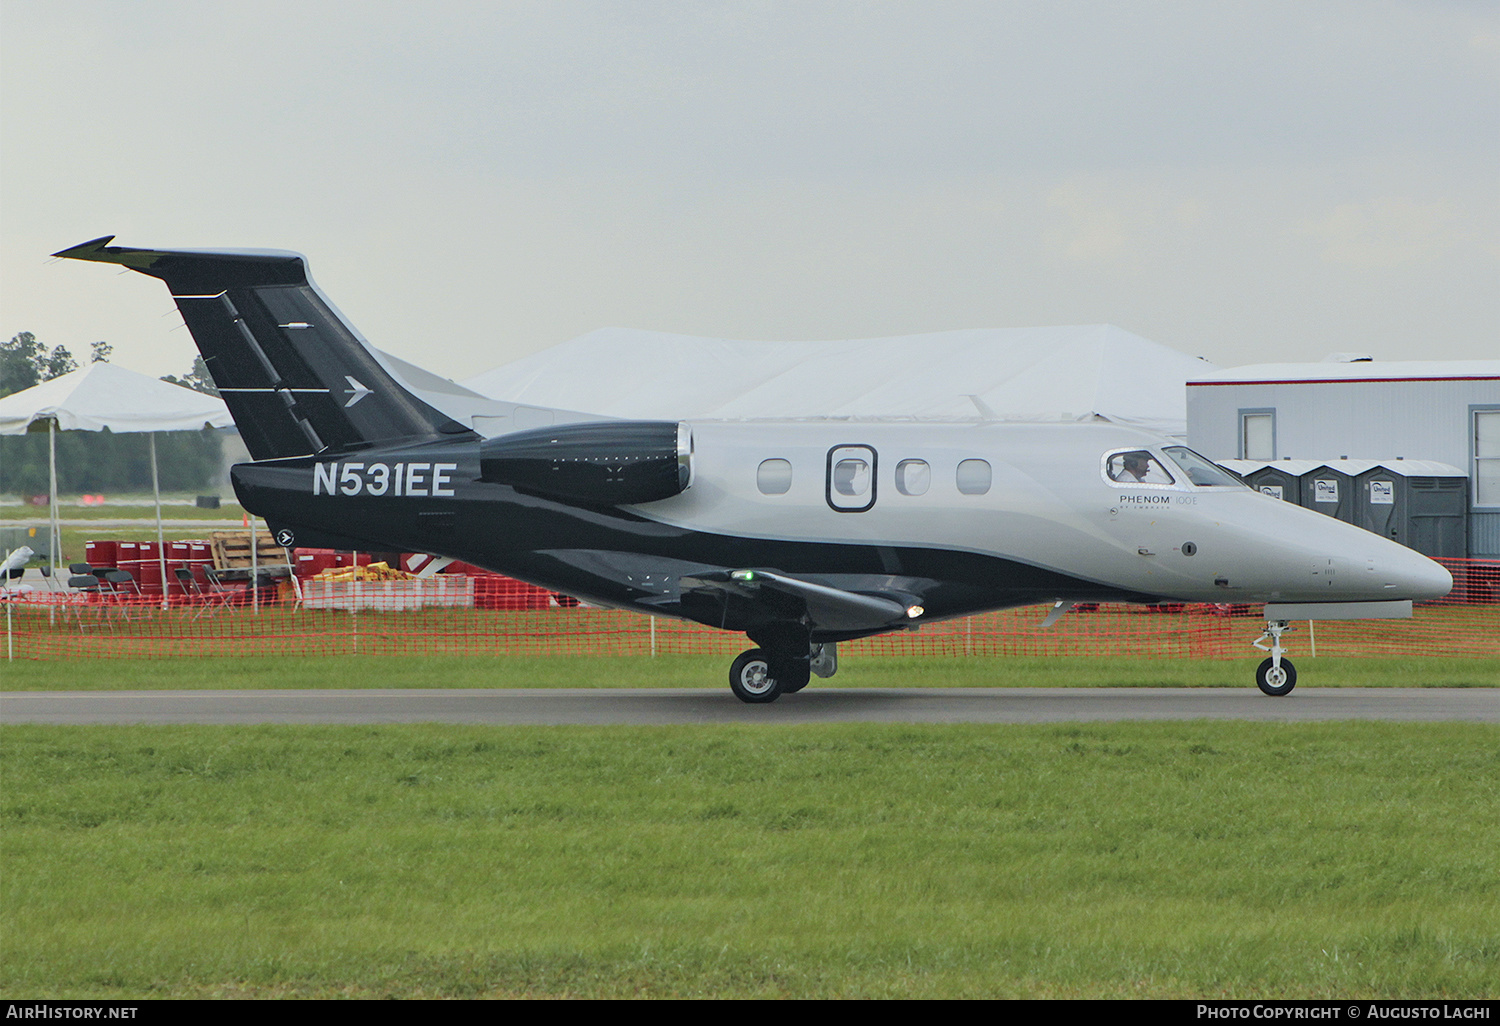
x: 673, y: 706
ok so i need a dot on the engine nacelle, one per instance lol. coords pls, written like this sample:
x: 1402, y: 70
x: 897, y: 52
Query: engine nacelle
x: 605, y: 463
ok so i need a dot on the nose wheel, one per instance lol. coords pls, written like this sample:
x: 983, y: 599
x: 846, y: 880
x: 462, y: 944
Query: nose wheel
x: 1276, y: 680
x: 1276, y: 676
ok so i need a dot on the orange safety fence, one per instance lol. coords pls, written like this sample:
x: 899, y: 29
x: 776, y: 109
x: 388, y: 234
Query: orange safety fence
x: 485, y: 614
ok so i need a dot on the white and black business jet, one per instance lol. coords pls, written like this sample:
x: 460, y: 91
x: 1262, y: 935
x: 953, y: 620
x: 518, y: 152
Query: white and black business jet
x: 798, y: 534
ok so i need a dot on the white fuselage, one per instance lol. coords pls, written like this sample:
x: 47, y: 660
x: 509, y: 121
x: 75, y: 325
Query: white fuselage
x: 1049, y: 502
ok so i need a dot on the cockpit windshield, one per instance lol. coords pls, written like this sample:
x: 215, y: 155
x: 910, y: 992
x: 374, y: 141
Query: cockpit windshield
x: 1200, y: 470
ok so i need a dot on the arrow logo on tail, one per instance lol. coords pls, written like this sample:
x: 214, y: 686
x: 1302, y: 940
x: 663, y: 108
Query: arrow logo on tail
x: 356, y: 391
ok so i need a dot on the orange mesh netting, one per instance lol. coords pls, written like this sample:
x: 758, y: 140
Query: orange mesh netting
x: 485, y: 614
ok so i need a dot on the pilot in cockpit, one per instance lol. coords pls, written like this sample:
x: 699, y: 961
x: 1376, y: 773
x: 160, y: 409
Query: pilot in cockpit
x: 1138, y: 467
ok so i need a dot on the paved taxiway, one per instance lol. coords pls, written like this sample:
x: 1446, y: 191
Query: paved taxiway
x: 815, y: 705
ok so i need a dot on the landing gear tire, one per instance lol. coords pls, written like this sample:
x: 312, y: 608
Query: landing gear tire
x: 750, y: 678
x: 1276, y: 681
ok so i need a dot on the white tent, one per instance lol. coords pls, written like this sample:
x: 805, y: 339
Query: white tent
x: 102, y: 397
x: 1058, y: 373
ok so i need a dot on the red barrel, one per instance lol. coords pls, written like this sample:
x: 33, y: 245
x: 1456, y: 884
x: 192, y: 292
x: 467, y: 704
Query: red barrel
x: 150, y: 576
x: 179, y: 554
x: 102, y: 553
x: 311, y: 562
x: 200, y: 555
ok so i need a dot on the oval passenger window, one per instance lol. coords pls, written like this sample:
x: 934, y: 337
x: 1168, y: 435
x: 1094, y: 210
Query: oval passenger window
x: 913, y: 477
x: 973, y: 477
x: 774, y: 477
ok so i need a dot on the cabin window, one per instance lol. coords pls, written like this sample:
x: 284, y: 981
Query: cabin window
x: 851, y: 477
x: 913, y: 477
x: 1136, y: 467
x: 774, y: 477
x: 973, y: 477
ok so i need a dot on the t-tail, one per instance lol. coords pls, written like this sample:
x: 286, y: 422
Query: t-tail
x: 296, y: 377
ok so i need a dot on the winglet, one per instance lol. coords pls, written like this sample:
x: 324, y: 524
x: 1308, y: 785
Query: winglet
x: 101, y: 250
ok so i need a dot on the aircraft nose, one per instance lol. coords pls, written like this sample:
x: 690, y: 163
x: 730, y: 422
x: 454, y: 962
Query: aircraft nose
x: 1405, y: 574
x: 1421, y: 578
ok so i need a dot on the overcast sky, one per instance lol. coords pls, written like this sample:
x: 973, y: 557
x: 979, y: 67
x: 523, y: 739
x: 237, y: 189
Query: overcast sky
x: 471, y: 182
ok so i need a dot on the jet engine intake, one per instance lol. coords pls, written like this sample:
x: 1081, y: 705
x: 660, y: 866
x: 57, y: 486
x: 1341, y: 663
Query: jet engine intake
x: 606, y: 463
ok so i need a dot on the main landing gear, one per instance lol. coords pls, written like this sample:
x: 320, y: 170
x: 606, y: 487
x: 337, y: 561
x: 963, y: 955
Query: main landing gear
x: 1276, y: 676
x: 765, y: 674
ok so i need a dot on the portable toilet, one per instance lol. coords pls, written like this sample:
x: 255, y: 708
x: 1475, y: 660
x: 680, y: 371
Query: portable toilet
x: 1281, y: 479
x: 1438, y: 509
x: 1329, y: 488
x: 1420, y: 503
x: 1381, y: 503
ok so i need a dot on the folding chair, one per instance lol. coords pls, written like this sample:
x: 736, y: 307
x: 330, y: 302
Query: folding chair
x: 90, y: 584
x: 221, y: 596
x: 100, y: 573
x: 121, y: 592
x: 121, y: 582
x: 200, y: 599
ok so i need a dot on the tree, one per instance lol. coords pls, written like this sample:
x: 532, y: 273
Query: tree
x: 100, y: 352
x: 58, y: 363
x: 198, y: 379
x: 25, y: 362
x: 18, y: 363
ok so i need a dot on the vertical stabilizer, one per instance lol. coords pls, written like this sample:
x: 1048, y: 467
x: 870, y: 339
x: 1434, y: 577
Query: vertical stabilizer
x: 297, y: 379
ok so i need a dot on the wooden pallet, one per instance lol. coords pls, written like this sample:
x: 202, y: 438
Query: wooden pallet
x: 231, y: 550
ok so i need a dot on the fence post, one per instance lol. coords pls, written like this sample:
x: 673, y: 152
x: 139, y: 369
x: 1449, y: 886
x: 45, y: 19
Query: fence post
x: 653, y: 635
x: 354, y: 604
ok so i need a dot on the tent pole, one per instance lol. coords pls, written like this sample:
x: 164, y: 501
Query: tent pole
x: 161, y: 548
x: 54, y: 543
x: 255, y: 565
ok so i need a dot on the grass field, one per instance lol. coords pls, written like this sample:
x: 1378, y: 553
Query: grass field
x: 1152, y: 860
x: 174, y: 507
x: 140, y: 508
x: 712, y: 671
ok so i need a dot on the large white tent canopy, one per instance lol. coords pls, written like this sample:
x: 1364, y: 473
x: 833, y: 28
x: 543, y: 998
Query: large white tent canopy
x: 1050, y: 374
x: 104, y: 397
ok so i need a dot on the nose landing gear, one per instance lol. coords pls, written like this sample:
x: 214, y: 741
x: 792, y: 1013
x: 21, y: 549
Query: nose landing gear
x: 1276, y: 676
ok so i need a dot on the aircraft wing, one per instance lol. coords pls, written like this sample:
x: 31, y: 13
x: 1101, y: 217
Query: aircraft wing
x: 827, y: 607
